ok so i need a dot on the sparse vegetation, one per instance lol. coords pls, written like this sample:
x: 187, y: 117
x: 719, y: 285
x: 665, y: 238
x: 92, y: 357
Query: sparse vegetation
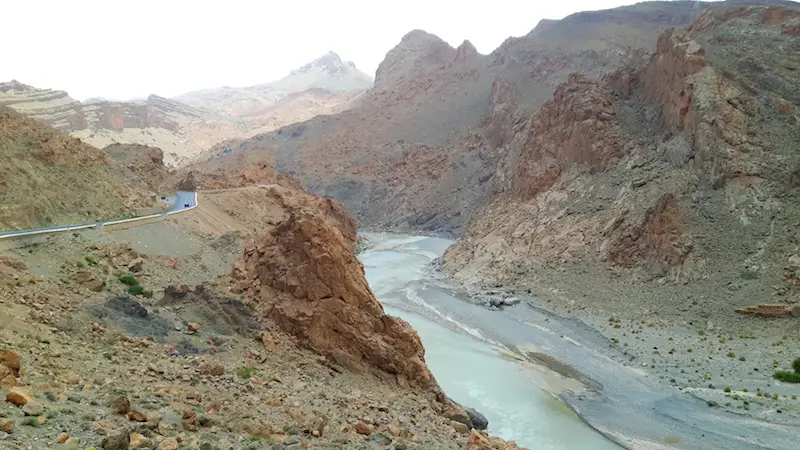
x: 129, y: 279
x: 31, y: 422
x: 246, y: 372
x: 136, y: 289
x: 785, y: 375
x: 90, y: 260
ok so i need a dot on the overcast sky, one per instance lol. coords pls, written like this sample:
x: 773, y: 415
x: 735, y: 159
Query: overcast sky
x: 122, y: 50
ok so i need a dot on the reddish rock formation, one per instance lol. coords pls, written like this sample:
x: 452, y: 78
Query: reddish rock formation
x: 770, y: 310
x: 304, y: 276
x: 9, y: 369
x: 658, y: 239
x: 575, y: 127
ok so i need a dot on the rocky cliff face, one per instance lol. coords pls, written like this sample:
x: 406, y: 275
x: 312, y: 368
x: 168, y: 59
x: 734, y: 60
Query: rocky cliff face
x: 682, y: 169
x: 304, y: 276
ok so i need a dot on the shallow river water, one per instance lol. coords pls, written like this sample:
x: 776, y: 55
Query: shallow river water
x: 468, y: 365
x: 465, y: 346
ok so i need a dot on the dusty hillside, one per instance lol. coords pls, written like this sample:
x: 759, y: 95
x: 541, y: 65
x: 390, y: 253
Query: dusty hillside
x: 419, y: 150
x: 48, y: 178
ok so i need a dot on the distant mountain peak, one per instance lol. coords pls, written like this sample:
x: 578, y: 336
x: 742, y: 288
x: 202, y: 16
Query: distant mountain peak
x: 329, y: 62
x: 15, y: 85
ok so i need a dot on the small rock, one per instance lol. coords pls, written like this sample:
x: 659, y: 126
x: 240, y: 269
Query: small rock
x: 117, y: 441
x: 362, y: 428
x: 121, y: 405
x: 137, y: 441
x: 194, y: 327
x: 18, y: 397
x: 169, y: 443
x: 211, y: 368
x: 33, y: 409
x: 380, y: 438
x: 71, y: 378
x: 7, y: 425
x: 136, y: 265
x: 479, y: 421
x: 136, y: 416
x: 71, y: 444
x: 460, y: 428
x: 61, y: 438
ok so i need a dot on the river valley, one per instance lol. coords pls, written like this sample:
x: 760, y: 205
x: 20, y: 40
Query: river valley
x: 485, y: 359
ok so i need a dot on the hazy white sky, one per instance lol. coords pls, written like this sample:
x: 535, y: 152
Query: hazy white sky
x: 121, y: 50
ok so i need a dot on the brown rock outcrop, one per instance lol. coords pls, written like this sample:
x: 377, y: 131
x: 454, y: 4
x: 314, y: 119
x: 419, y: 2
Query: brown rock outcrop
x: 659, y: 239
x: 304, y: 276
x: 9, y: 369
x: 575, y: 127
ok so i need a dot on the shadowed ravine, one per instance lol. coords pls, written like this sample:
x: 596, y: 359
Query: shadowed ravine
x: 465, y: 346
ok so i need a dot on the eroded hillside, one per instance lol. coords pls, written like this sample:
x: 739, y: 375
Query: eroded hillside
x: 48, y: 178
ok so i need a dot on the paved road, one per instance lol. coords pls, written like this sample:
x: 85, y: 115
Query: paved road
x: 182, y: 201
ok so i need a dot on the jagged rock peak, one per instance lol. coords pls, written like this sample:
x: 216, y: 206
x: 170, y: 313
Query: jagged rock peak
x: 329, y: 62
x: 417, y: 52
x: 466, y: 51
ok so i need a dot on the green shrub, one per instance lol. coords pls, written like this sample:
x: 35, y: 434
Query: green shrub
x: 31, y: 281
x: 796, y: 365
x: 79, y: 264
x: 31, y: 422
x: 90, y: 260
x: 246, y: 372
x: 136, y: 289
x: 130, y: 280
x: 789, y: 377
x: 147, y: 294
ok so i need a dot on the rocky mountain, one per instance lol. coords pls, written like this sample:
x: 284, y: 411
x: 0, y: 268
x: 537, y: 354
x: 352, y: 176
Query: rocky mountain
x: 193, y: 123
x: 178, y: 129
x: 328, y: 72
x: 420, y: 150
x: 682, y: 170
x: 49, y: 178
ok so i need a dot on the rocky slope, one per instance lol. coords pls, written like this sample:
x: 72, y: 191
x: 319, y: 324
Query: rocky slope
x: 48, y: 178
x: 682, y: 172
x: 177, y: 366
